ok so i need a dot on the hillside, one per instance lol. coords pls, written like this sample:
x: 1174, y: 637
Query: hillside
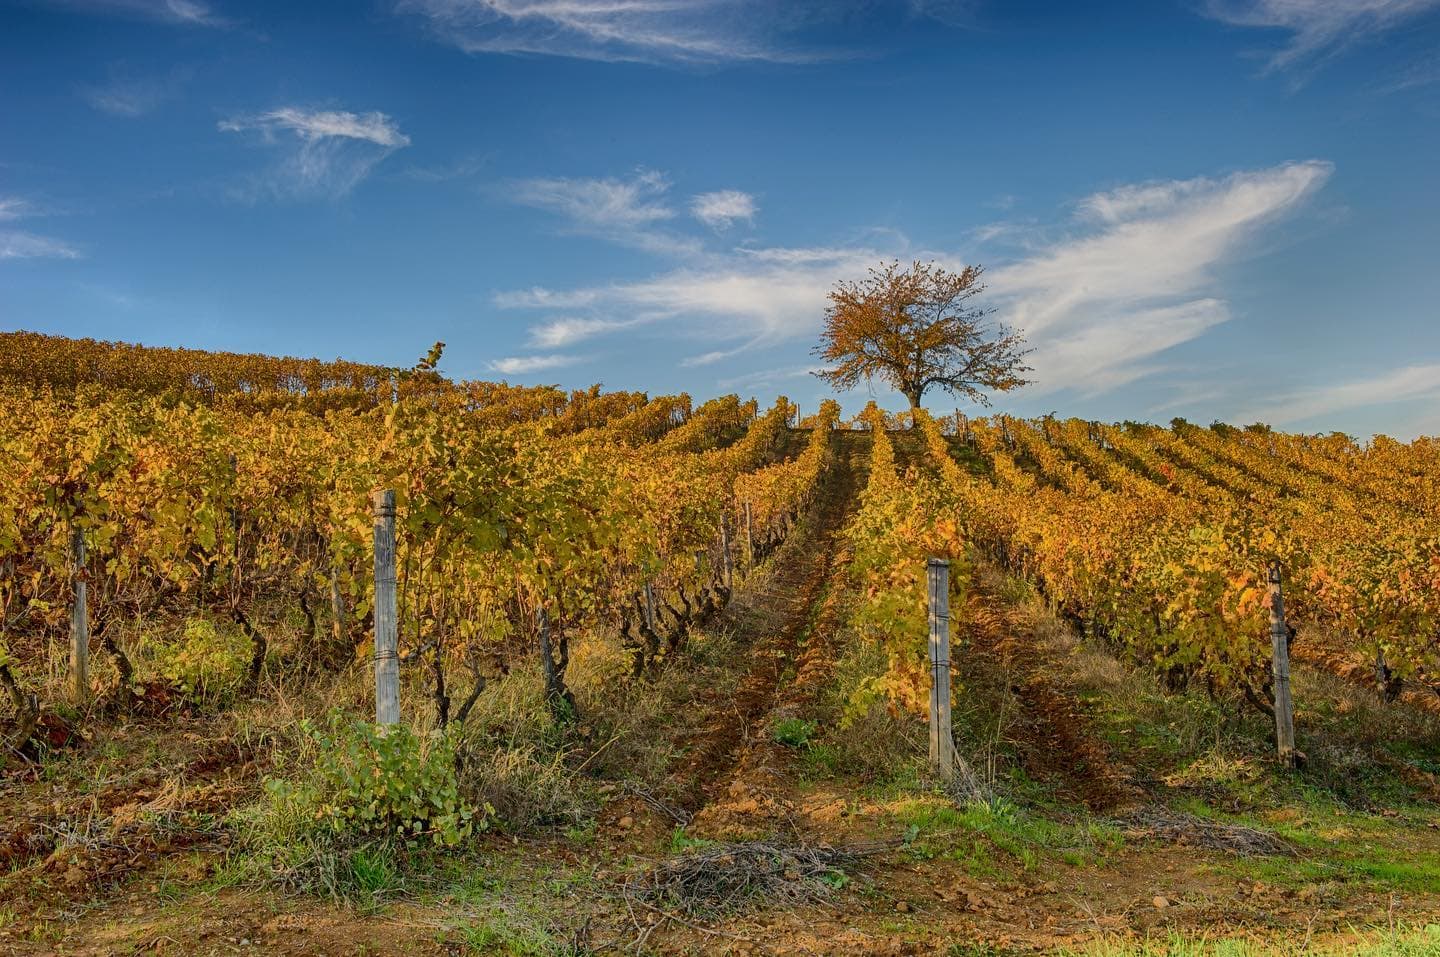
x: 663, y: 680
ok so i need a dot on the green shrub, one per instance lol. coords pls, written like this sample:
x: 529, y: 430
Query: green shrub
x: 207, y: 664
x: 383, y: 779
x: 372, y: 780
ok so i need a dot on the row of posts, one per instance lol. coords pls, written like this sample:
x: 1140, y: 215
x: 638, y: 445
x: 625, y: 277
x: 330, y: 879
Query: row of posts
x: 387, y: 658
x: 942, y: 743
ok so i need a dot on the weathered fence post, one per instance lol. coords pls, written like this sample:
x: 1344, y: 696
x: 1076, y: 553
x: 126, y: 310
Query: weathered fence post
x: 725, y: 549
x: 942, y: 742
x: 749, y: 538
x: 337, y: 606
x: 387, y: 660
x: 650, y: 606
x: 1280, y: 672
x: 79, y: 621
x: 547, y: 663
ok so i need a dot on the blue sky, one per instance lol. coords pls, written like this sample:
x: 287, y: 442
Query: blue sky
x: 1225, y: 209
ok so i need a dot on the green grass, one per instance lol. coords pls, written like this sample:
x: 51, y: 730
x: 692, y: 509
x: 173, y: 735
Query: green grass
x: 1337, y: 845
x: 681, y: 841
x: 986, y: 835
x: 794, y: 732
x: 373, y: 872
x: 503, y: 935
x: 1415, y: 942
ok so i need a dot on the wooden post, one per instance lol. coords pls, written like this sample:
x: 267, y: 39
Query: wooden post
x: 942, y: 741
x: 650, y: 606
x: 749, y: 537
x: 79, y: 621
x: 725, y: 548
x: 387, y: 660
x: 547, y: 658
x: 1280, y: 672
x: 337, y: 606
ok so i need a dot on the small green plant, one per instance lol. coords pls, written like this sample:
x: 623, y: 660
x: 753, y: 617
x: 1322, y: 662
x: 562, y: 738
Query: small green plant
x: 516, y: 934
x: 207, y: 664
x: 795, y: 732
x: 976, y: 949
x: 384, y: 780
x: 372, y: 871
x: 681, y: 841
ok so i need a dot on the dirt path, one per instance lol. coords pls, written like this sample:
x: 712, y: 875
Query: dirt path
x: 785, y: 626
x: 1051, y: 729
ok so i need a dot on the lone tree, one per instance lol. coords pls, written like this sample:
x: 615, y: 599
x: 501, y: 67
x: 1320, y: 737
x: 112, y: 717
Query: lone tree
x: 916, y: 327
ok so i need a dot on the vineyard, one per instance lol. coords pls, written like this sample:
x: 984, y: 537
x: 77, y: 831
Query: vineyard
x: 299, y: 656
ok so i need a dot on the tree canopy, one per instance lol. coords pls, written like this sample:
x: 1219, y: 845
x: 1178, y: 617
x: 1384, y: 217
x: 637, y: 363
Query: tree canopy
x: 918, y: 326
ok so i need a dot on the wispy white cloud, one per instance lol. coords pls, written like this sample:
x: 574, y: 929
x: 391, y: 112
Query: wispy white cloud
x: 955, y: 13
x: 559, y: 333
x: 186, y: 12
x: 315, y: 125
x: 17, y: 244
x: 768, y: 377
x: 1404, y: 384
x: 539, y: 297
x: 125, y: 97
x: 327, y: 152
x: 13, y: 207
x: 601, y: 203
x: 723, y: 208
x: 711, y: 357
x: 1423, y: 72
x: 664, y: 31
x: 1102, y: 297
x: 626, y: 211
x: 1318, y: 28
x: 191, y: 11
x: 677, y: 31
x: 131, y: 96
x: 738, y: 301
x: 1133, y: 279
x: 1097, y: 357
x: 522, y: 365
x: 464, y: 168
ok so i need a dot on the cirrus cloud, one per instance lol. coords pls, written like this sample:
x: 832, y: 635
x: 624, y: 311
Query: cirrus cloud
x: 650, y: 31
x: 1132, y: 281
x: 1133, y: 274
x: 723, y: 208
x: 17, y: 244
x: 523, y: 365
x: 624, y: 211
x: 182, y: 12
x: 1404, y: 384
x: 1319, y: 28
x: 326, y: 153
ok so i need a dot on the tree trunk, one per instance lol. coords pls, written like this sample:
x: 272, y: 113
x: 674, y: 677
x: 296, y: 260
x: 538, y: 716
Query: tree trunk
x: 913, y: 396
